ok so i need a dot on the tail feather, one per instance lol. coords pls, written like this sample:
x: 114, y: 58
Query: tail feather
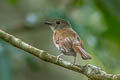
x: 81, y: 51
x: 84, y: 54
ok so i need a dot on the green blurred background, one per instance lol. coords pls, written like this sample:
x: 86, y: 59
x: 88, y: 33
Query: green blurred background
x: 96, y: 21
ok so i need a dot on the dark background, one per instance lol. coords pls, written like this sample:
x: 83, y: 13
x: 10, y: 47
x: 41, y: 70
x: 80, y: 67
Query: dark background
x: 96, y: 21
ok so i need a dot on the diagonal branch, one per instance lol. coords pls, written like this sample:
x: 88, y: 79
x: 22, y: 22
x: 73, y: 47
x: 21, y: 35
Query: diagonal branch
x: 90, y: 71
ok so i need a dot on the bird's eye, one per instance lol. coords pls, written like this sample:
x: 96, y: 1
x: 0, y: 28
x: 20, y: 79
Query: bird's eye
x: 57, y: 22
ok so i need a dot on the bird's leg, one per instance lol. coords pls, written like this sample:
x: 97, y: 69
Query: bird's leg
x: 59, y: 56
x: 74, y: 60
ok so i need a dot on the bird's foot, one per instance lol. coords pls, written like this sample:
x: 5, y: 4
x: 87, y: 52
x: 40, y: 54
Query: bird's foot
x: 75, y: 61
x: 58, y: 57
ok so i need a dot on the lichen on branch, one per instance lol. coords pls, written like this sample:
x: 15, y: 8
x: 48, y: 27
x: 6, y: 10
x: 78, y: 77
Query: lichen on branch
x: 90, y: 71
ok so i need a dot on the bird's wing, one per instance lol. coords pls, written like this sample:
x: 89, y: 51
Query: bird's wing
x: 68, y: 41
x: 64, y: 40
x: 78, y: 48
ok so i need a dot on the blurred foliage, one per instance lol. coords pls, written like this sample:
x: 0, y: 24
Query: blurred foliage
x: 96, y: 21
x: 77, y: 2
x: 110, y: 10
x: 13, y: 2
x: 5, y: 67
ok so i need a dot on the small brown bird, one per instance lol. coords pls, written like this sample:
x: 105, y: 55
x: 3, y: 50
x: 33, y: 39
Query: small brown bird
x: 66, y: 39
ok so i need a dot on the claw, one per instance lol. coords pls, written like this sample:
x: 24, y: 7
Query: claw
x: 58, y: 57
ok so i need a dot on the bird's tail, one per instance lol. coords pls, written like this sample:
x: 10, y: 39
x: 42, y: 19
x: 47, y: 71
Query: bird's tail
x: 82, y: 52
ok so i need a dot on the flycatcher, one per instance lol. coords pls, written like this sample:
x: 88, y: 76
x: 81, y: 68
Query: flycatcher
x: 66, y: 39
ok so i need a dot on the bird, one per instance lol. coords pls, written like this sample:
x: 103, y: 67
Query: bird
x: 67, y: 40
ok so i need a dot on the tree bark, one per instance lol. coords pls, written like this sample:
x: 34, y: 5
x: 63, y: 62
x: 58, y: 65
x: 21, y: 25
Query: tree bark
x: 89, y: 70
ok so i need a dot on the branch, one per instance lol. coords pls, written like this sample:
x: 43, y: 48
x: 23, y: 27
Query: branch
x: 90, y: 71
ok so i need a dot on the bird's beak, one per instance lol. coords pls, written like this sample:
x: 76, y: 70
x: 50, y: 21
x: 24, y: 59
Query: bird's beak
x: 48, y: 22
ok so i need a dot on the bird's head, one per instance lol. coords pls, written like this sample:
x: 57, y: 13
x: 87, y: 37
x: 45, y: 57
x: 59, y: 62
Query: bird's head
x: 57, y: 24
